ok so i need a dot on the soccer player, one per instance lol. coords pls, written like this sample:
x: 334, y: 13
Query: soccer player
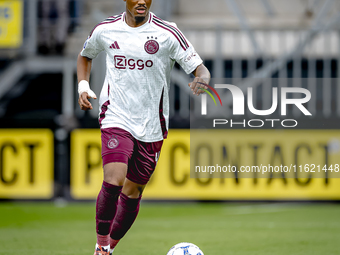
x: 134, y: 107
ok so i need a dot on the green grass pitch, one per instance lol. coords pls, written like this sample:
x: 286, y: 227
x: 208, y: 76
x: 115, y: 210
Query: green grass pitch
x: 218, y: 229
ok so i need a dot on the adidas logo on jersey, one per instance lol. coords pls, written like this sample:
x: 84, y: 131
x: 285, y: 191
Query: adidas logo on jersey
x: 115, y: 46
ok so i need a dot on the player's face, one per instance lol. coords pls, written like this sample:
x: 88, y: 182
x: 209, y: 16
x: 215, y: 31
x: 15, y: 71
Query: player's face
x: 138, y: 9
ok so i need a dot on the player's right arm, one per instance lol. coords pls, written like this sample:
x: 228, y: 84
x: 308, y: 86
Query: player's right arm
x: 92, y: 47
x: 84, y: 65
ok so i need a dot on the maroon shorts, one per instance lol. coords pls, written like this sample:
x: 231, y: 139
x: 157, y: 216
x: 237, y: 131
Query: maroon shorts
x: 119, y: 145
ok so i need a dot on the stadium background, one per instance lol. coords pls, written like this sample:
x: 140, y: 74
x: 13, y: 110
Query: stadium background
x: 50, y: 149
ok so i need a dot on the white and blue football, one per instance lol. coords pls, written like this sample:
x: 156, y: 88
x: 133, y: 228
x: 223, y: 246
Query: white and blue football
x: 185, y: 249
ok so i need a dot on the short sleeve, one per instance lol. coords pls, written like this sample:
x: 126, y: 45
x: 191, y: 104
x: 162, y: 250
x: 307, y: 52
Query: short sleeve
x: 183, y: 52
x: 92, y: 46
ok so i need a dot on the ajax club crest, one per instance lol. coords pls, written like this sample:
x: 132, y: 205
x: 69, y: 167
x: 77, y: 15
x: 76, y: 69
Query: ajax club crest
x: 112, y: 143
x: 151, y: 46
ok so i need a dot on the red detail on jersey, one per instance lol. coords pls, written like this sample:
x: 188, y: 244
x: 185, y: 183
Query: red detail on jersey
x: 104, y: 107
x: 115, y: 46
x: 140, y: 64
x: 121, y: 62
x: 151, y: 46
x: 149, y: 63
x: 107, y: 21
x: 161, y: 117
x: 184, y: 48
x: 175, y: 31
x: 103, y: 112
x: 133, y: 65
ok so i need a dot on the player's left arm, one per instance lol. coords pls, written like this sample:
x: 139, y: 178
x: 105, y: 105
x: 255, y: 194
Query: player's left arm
x: 202, y: 77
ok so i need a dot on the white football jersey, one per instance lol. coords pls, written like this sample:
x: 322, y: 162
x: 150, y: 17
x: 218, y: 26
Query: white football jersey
x: 135, y: 94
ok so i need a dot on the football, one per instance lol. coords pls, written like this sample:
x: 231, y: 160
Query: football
x: 185, y: 249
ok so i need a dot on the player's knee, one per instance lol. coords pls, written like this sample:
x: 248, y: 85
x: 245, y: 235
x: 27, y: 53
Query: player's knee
x: 133, y: 190
x: 114, y: 180
x: 135, y: 193
x: 115, y: 173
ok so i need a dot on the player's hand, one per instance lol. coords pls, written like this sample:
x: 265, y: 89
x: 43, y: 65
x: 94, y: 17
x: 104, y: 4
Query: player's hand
x: 83, y: 101
x: 196, y: 85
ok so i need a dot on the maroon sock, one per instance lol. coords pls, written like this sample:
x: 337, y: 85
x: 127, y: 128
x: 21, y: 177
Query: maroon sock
x: 106, y: 207
x: 127, y: 211
x: 113, y: 243
x: 103, y: 240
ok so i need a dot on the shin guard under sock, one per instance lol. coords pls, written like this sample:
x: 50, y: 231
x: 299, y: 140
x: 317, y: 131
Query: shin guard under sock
x: 106, y: 207
x: 127, y: 211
